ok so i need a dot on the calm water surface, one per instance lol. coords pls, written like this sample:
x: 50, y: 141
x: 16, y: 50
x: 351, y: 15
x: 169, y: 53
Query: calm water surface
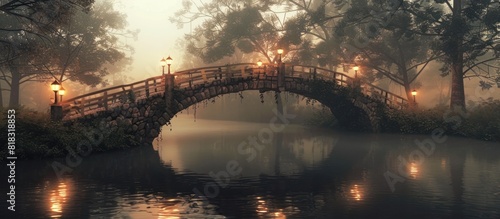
x: 297, y: 173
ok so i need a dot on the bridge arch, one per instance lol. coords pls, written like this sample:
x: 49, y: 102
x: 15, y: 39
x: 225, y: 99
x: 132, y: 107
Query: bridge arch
x: 144, y: 107
x: 351, y: 111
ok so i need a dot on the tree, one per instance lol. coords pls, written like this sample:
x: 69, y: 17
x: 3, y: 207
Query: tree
x: 260, y: 27
x: 81, y: 49
x: 229, y: 27
x: 468, y: 33
x: 24, y: 20
x: 32, y: 18
x: 76, y: 50
x: 388, y: 51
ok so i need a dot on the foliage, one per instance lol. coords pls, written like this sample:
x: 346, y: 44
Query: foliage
x: 482, y: 122
x: 77, y: 47
x: 467, y: 33
x: 38, y: 137
x: 261, y: 27
x: 387, y: 50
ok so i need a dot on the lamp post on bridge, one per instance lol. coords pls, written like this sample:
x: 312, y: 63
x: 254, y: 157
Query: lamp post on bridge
x: 62, y: 92
x: 56, y: 109
x: 356, y: 79
x: 280, y: 51
x: 163, y: 62
x: 356, y: 68
x: 169, y: 62
x: 281, y: 70
x: 55, y: 87
x: 414, y: 94
x: 169, y: 80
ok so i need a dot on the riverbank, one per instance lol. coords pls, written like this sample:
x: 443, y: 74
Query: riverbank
x: 38, y: 137
x: 481, y: 121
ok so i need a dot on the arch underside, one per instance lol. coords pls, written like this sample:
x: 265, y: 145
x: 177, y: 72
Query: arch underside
x: 350, y: 110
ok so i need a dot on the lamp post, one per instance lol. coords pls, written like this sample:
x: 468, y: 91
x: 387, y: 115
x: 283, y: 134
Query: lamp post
x: 56, y: 113
x: 55, y: 87
x: 259, y: 63
x: 62, y: 92
x: 356, y: 68
x: 414, y: 93
x: 280, y: 51
x: 169, y: 62
x: 163, y: 62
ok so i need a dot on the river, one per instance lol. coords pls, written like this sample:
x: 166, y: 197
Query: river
x: 223, y: 169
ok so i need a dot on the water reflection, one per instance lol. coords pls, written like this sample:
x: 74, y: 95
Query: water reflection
x: 57, y: 199
x: 182, y: 207
x: 265, y: 208
x: 413, y: 170
x: 356, y: 192
x: 305, y: 174
x: 290, y: 153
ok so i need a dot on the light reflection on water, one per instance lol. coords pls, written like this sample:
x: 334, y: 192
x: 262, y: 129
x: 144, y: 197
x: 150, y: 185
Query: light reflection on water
x: 308, y: 174
x: 58, y: 198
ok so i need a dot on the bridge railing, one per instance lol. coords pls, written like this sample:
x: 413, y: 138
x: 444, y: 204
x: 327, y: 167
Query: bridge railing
x: 312, y: 72
x: 110, y: 97
x: 187, y: 78
x: 115, y: 96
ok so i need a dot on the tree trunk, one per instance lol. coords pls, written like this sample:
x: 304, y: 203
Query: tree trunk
x: 457, y: 76
x: 457, y: 84
x: 409, y: 96
x: 14, y: 88
x: 1, y: 96
x: 406, y: 84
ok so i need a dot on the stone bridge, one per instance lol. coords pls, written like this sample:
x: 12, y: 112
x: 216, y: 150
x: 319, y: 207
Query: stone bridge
x: 143, y: 107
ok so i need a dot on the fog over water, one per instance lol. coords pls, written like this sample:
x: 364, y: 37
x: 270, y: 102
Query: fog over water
x: 303, y: 173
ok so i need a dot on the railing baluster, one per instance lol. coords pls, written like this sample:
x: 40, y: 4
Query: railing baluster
x: 105, y: 100
x: 82, y: 106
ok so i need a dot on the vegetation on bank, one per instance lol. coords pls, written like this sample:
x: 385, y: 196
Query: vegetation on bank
x: 481, y: 121
x: 39, y: 137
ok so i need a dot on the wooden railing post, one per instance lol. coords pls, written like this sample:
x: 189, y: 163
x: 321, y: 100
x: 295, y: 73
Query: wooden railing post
x: 281, y: 76
x: 82, y: 106
x: 386, y: 97
x: 169, y: 89
x: 190, y: 79
x: 105, y: 100
x: 147, y: 88
x: 56, y: 112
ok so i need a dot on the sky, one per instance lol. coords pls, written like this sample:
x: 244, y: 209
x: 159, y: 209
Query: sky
x: 157, y: 37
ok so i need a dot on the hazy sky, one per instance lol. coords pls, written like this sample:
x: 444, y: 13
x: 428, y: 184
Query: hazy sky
x: 157, y: 37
